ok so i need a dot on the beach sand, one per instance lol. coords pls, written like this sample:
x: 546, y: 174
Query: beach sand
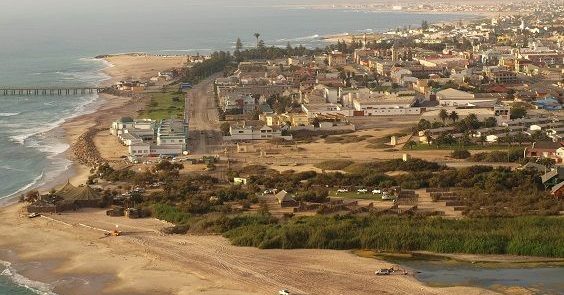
x: 144, y: 261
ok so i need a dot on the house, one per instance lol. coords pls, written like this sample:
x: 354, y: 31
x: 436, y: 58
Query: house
x: 553, y: 177
x: 544, y: 149
x: 285, y: 199
x: 337, y: 58
x: 249, y: 132
x: 549, y: 104
x: 239, y: 180
x: 558, y: 190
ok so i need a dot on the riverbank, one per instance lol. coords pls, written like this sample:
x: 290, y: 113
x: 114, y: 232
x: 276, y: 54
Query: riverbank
x: 144, y: 261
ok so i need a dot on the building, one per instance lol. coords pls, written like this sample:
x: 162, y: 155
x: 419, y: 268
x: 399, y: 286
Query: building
x: 337, y: 58
x: 242, y: 132
x: 147, y: 138
x: 502, y: 77
x: 285, y: 199
x: 385, y: 105
x: 458, y: 98
x: 313, y: 110
x: 544, y: 149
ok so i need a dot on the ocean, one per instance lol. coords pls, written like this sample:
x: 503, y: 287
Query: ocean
x: 52, y: 42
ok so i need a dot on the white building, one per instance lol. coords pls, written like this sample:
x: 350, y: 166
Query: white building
x: 139, y: 136
x: 313, y: 110
x: 248, y: 132
x: 457, y: 98
x: 385, y: 105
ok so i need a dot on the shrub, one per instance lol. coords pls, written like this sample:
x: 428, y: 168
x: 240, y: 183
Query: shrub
x: 460, y: 154
x: 334, y: 164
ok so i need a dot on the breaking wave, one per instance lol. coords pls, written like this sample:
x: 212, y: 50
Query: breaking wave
x: 34, y: 286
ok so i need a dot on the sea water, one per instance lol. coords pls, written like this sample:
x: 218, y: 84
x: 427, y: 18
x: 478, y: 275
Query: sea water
x: 52, y: 42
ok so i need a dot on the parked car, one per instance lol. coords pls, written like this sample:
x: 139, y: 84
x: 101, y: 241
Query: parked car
x: 362, y: 190
x: 383, y: 272
x: 284, y: 292
x: 376, y: 191
x: 342, y: 190
x: 33, y: 215
x: 387, y: 196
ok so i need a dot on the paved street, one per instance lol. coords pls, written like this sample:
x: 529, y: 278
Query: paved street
x: 204, y: 134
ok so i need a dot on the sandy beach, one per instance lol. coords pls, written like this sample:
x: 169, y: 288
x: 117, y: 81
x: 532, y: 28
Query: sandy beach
x: 144, y: 261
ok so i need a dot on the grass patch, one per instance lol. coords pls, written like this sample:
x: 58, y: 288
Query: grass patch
x: 334, y: 164
x: 533, y: 236
x: 164, y: 105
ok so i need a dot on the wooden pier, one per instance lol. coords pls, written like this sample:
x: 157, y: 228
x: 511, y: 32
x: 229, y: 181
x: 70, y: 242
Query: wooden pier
x: 50, y: 91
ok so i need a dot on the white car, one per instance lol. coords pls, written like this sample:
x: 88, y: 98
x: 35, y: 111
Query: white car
x: 383, y: 272
x: 387, y: 196
x: 362, y: 190
x: 284, y: 292
x: 376, y: 191
x: 342, y: 190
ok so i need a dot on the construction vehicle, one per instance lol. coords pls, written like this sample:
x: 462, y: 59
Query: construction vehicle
x: 115, y: 233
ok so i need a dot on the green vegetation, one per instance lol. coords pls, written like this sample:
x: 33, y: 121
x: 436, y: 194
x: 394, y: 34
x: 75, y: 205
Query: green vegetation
x: 165, y: 105
x: 512, y: 155
x: 352, y: 138
x: 334, y: 164
x: 535, y: 236
x: 460, y: 154
x: 199, y: 71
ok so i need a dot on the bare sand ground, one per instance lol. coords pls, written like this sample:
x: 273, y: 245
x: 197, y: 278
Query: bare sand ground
x: 140, y: 67
x: 144, y: 261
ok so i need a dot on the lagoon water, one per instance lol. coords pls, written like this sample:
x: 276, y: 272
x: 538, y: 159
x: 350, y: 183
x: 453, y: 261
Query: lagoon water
x: 52, y: 42
x: 539, y: 280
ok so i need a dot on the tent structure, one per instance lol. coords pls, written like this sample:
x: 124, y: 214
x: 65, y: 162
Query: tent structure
x: 68, y: 197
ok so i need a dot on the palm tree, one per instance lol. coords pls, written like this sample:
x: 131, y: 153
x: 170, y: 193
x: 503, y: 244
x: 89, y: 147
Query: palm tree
x: 429, y: 137
x: 257, y: 36
x: 443, y: 115
x: 453, y: 116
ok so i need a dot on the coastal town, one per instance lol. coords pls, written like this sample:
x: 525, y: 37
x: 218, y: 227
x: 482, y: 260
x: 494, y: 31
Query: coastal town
x: 437, y: 139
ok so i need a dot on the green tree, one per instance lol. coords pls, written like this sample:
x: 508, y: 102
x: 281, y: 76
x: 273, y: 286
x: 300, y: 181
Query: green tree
x: 410, y: 144
x: 518, y: 112
x: 424, y: 25
x: 453, y: 116
x: 225, y: 128
x: 443, y: 115
x: 257, y: 36
x: 460, y: 154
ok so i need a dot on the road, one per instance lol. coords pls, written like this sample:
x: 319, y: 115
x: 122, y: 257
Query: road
x: 204, y: 134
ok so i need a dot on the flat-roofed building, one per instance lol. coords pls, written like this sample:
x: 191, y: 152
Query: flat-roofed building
x: 385, y: 105
x: 458, y: 98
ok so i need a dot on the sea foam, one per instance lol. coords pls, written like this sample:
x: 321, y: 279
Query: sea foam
x: 34, y: 286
